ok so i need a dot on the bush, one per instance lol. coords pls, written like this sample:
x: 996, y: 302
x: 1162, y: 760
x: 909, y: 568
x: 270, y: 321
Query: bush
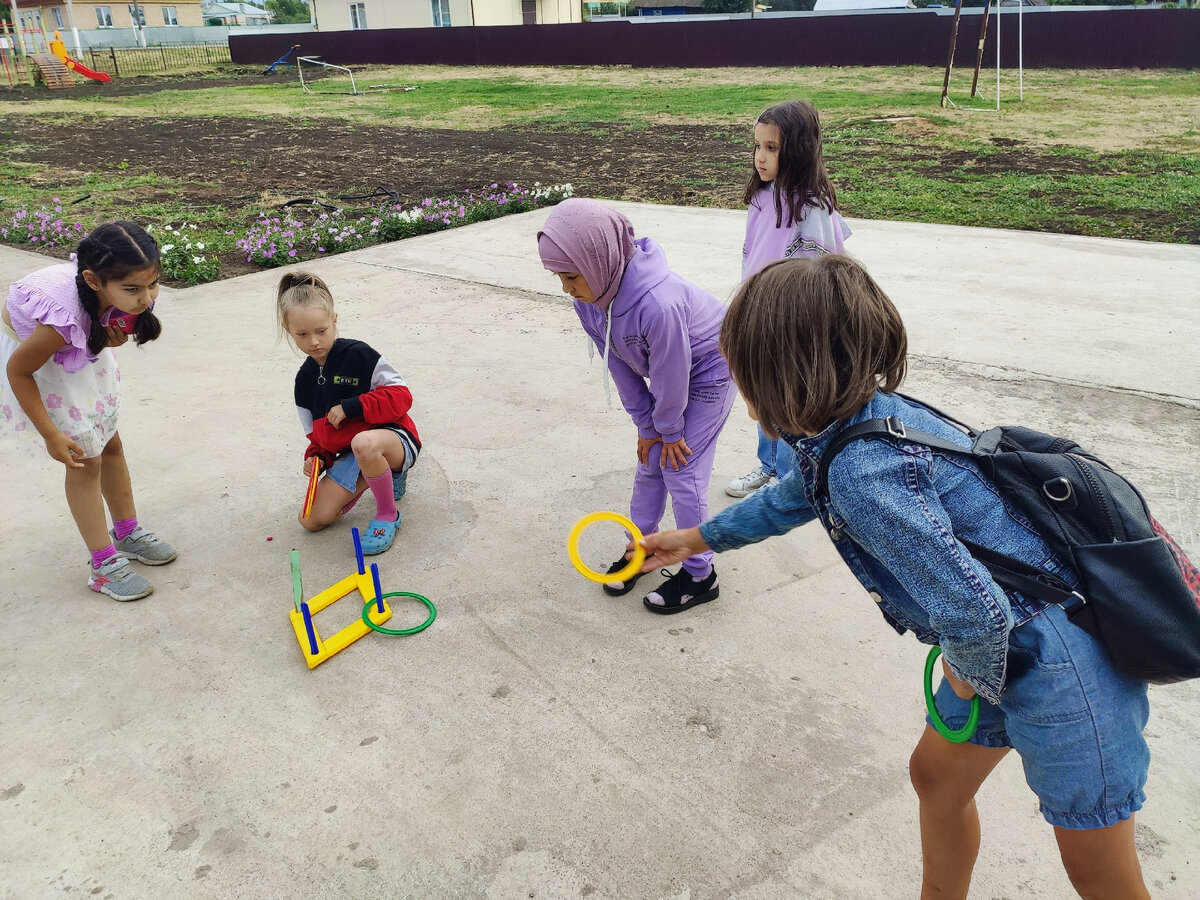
x: 45, y: 229
x: 184, y: 259
x: 291, y: 237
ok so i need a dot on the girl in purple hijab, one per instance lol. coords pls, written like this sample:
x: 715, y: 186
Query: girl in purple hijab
x: 658, y: 335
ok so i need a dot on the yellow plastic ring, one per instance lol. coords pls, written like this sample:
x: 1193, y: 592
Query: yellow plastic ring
x: 635, y: 564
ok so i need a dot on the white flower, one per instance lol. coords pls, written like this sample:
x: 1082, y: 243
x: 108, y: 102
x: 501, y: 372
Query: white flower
x: 167, y: 248
x: 197, y: 259
x: 199, y: 246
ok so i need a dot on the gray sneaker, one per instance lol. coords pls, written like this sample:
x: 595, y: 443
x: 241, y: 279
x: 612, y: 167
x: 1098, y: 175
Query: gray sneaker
x: 117, y: 579
x: 747, y: 484
x: 146, y: 547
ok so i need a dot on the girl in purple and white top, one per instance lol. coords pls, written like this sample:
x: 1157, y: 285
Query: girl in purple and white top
x: 792, y: 214
x: 60, y: 383
x: 658, y: 334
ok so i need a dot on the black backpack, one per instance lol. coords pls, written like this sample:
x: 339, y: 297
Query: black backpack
x: 1139, y: 594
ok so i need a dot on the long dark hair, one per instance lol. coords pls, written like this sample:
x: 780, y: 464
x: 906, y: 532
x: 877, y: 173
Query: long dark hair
x: 113, y: 251
x: 802, y: 178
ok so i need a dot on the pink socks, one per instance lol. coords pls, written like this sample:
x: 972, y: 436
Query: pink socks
x: 385, y: 500
x: 121, y: 530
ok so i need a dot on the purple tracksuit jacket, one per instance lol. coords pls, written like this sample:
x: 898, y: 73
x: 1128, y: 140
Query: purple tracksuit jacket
x: 663, y: 333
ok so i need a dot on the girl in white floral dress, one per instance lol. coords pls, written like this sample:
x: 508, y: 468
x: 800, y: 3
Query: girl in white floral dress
x: 60, y: 386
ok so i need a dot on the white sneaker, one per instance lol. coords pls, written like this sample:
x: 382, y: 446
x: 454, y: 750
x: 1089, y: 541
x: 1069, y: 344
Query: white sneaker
x: 749, y: 483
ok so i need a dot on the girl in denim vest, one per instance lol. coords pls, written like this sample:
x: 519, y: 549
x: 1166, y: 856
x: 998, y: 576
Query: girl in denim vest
x: 815, y: 346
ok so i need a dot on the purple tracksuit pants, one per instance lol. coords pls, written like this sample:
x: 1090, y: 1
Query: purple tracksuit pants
x: 703, y: 418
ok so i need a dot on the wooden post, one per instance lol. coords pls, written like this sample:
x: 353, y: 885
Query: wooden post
x: 950, y: 55
x: 987, y: 9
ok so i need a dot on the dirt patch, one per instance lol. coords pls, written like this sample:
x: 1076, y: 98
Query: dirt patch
x: 133, y: 85
x: 230, y: 161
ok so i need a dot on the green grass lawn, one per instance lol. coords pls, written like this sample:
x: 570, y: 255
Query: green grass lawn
x: 1105, y: 153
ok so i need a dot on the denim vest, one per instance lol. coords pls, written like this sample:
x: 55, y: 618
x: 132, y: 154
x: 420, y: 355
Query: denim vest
x: 894, y: 512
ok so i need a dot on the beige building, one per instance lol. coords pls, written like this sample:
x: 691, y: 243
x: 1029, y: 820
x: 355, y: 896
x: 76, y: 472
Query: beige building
x: 51, y: 17
x: 354, y: 15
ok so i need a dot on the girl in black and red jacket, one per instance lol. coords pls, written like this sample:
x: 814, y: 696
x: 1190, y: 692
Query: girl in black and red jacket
x: 354, y: 407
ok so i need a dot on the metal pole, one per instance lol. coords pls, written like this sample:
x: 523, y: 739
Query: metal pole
x: 138, y: 30
x: 997, y: 56
x: 74, y: 30
x: 1021, y: 47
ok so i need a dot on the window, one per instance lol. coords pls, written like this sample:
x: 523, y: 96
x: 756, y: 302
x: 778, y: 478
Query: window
x: 169, y: 17
x: 528, y: 12
x: 358, y: 16
x: 441, y: 13
x: 104, y: 17
x: 137, y: 14
x: 58, y: 19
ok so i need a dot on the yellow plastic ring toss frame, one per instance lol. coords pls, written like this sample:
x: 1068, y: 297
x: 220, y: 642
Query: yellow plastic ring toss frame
x: 635, y: 564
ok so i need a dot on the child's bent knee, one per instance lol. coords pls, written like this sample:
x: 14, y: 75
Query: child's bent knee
x: 312, y: 523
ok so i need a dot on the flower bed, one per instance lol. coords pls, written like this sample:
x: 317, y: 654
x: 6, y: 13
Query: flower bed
x: 293, y: 235
x: 298, y: 234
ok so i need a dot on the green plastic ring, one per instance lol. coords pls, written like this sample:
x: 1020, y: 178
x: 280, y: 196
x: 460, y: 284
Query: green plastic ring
x: 367, y: 618
x: 955, y: 737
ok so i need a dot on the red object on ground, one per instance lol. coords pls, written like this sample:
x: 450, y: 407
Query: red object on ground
x: 83, y: 70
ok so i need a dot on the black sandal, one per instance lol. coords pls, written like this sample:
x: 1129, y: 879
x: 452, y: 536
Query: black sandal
x: 626, y: 586
x: 681, y: 591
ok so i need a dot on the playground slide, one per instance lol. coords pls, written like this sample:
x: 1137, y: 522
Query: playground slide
x: 59, y: 49
x: 81, y: 69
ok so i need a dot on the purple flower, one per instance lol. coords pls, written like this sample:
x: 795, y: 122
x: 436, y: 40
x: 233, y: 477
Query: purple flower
x: 74, y: 413
x: 53, y: 401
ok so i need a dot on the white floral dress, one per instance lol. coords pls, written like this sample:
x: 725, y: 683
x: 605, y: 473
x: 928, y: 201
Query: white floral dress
x: 81, y: 391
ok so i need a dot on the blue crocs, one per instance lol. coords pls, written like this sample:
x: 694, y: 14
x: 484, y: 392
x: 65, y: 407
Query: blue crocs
x: 379, y: 536
x: 399, y: 484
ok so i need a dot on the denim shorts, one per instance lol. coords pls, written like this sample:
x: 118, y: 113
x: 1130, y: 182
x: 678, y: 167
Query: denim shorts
x: 1075, y: 721
x: 344, y: 470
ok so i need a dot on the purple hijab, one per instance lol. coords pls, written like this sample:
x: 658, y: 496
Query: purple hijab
x: 589, y: 238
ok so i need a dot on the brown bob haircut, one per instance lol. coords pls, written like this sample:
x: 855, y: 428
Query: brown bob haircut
x: 809, y: 341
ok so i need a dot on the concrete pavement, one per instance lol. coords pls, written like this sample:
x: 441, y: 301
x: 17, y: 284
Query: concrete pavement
x: 542, y: 739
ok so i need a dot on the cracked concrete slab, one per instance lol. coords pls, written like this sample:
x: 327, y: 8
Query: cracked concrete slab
x: 542, y: 739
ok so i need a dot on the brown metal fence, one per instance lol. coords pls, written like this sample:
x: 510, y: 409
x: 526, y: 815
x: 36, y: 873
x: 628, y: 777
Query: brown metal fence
x: 1059, y: 37
x: 118, y: 61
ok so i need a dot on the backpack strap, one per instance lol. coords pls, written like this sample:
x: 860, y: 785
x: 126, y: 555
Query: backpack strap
x: 877, y: 429
x: 1010, y: 573
x: 1031, y: 581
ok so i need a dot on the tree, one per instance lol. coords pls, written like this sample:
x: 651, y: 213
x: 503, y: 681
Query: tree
x: 288, y: 12
x: 727, y: 6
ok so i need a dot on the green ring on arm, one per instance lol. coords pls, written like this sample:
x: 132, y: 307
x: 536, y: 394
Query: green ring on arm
x: 367, y: 618
x: 955, y: 737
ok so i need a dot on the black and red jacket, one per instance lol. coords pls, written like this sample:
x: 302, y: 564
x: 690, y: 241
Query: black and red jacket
x: 369, y: 389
